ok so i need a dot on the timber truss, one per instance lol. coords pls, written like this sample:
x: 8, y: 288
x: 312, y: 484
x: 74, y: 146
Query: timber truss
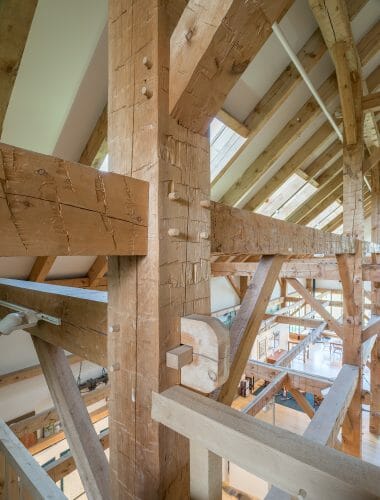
x: 153, y: 218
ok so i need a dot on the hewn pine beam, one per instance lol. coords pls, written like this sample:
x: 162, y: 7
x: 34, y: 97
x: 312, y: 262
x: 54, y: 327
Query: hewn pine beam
x: 15, y: 20
x: 235, y: 231
x: 97, y: 270
x: 47, y: 417
x: 83, y: 314
x: 54, y: 207
x: 29, y: 372
x: 247, y: 322
x: 255, y: 446
x: 95, y: 142
x: 374, y: 422
x: 41, y: 268
x: 372, y: 328
x: 371, y: 102
x: 147, y: 297
x: 306, y: 382
x: 288, y: 357
x: 84, y: 443
x: 326, y: 423
x: 232, y: 123
x: 210, y: 48
x: 268, y: 393
x: 309, y: 56
x: 332, y: 323
x: 301, y: 400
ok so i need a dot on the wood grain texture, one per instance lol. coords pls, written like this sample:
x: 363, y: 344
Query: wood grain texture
x: 246, y: 324
x: 79, y: 431
x: 15, y: 21
x: 210, y: 48
x: 235, y: 231
x: 286, y: 83
x: 19, y: 463
x: 257, y: 446
x: 148, y: 296
x: 53, y: 207
x: 83, y: 314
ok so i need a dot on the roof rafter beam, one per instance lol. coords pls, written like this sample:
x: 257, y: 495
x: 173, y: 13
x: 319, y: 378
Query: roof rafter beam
x: 210, y: 47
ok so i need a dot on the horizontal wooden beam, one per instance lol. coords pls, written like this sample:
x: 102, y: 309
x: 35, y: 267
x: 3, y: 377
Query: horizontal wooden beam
x: 29, y: 372
x: 262, y: 399
x: 235, y: 231
x: 279, y: 457
x: 371, y: 102
x: 47, y: 417
x: 54, y: 207
x: 83, y: 314
x: 317, y: 268
x: 63, y: 466
x: 288, y: 357
x: 373, y: 328
x: 325, y: 425
x: 332, y: 323
x: 303, y: 381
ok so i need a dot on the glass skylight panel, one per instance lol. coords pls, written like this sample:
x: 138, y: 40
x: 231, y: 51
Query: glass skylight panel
x: 224, y: 143
x: 326, y: 216
x: 287, y: 198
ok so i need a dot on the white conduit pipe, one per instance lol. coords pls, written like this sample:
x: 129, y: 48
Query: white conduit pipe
x: 281, y: 37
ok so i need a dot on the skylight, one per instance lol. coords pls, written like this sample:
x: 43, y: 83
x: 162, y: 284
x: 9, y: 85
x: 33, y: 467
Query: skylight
x: 287, y: 198
x: 224, y: 143
x: 326, y: 216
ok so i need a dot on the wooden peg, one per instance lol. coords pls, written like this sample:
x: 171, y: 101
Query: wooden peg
x: 179, y: 356
x: 205, y: 203
x: 146, y: 62
x: 145, y: 91
x: 204, y: 235
x: 173, y: 231
x: 174, y: 196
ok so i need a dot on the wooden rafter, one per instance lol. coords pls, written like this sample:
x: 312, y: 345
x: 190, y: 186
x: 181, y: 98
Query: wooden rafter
x: 206, y: 34
x: 41, y: 268
x: 309, y: 55
x: 15, y: 21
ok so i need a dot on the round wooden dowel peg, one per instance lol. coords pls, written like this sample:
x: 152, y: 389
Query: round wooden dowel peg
x: 173, y: 196
x: 146, y: 62
x: 204, y: 235
x: 189, y: 35
x: 145, y: 91
x: 205, y: 203
x: 173, y: 231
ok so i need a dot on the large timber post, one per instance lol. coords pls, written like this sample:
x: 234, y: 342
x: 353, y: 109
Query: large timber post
x: 148, y: 295
x: 374, y: 422
x: 350, y: 267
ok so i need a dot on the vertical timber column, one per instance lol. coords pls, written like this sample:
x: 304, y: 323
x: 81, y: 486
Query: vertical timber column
x: 353, y: 225
x: 148, y: 295
x: 374, y: 422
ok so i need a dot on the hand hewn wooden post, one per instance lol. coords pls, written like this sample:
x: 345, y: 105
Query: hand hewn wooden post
x: 374, y: 422
x: 148, y: 295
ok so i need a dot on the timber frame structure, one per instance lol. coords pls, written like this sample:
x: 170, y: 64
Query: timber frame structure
x: 158, y: 237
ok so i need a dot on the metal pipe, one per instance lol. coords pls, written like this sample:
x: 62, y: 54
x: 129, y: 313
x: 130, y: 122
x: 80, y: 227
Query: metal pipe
x: 281, y: 37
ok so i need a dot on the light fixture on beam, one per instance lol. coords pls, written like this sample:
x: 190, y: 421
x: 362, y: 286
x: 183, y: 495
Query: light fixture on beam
x: 23, y: 318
